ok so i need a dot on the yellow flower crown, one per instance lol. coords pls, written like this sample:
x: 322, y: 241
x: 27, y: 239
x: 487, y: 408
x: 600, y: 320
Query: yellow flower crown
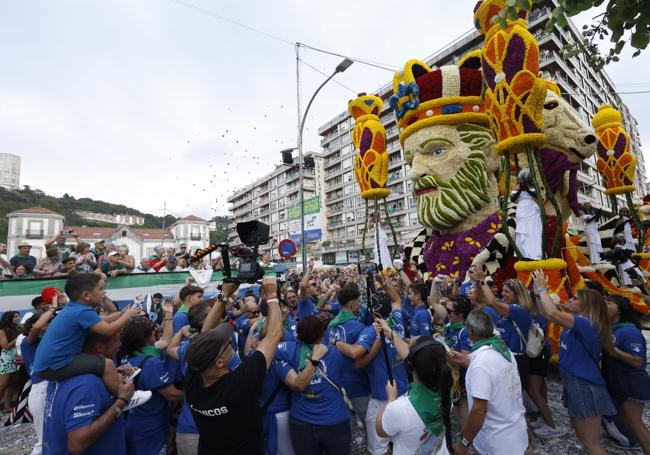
x: 424, y: 97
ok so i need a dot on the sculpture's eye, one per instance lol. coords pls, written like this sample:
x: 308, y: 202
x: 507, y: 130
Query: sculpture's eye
x: 551, y: 105
x: 439, y: 151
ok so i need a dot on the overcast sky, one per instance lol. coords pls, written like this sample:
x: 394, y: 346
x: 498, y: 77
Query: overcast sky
x: 144, y: 101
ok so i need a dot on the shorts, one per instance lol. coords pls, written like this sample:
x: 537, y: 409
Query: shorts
x: 539, y: 365
x: 523, y: 365
x: 8, y: 361
x: 81, y: 364
x: 584, y: 399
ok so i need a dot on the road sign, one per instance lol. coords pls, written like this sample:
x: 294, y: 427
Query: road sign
x: 287, y: 248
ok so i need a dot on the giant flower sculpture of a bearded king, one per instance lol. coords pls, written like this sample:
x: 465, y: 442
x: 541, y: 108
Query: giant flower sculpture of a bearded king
x: 447, y: 140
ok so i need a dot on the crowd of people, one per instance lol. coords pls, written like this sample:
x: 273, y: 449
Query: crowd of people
x: 294, y: 367
x: 65, y: 259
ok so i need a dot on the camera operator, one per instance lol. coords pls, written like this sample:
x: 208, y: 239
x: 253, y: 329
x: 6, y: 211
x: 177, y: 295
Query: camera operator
x: 228, y: 400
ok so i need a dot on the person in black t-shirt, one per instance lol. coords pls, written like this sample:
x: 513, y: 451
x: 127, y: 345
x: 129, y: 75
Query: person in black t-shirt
x: 224, y: 404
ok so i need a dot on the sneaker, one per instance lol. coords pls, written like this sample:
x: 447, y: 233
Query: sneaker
x: 535, y: 424
x: 546, y: 432
x: 139, y: 397
x: 614, y: 433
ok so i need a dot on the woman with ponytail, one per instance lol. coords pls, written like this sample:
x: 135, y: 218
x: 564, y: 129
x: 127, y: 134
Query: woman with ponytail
x: 587, y: 334
x: 419, y: 422
x: 146, y: 428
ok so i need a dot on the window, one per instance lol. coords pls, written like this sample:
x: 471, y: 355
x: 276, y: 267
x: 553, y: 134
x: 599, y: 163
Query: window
x: 357, y: 201
x: 347, y: 177
x: 349, y: 216
x: 274, y: 217
x: 123, y: 233
x: 348, y: 203
x: 411, y: 200
x: 195, y: 233
x: 347, y: 163
x: 34, y: 229
x: 351, y: 230
x: 349, y: 189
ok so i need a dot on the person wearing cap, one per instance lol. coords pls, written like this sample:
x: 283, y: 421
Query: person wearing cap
x: 171, y: 265
x: 229, y: 401
x: 23, y: 257
x: 99, y: 248
x: 144, y: 267
x: 113, y: 266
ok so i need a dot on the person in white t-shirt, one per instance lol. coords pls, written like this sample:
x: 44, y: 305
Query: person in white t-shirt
x: 496, y: 423
x: 5, y: 266
x: 419, y: 422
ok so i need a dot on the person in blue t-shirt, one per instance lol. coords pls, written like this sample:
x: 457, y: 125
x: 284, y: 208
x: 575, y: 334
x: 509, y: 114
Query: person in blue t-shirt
x: 586, y: 333
x: 291, y: 299
x: 280, y: 379
x: 457, y: 338
x: 421, y: 321
x: 146, y: 427
x: 80, y: 414
x: 343, y: 332
x: 319, y: 417
x: 387, y: 310
x: 308, y: 296
x: 514, y: 316
x: 59, y: 355
x: 625, y: 371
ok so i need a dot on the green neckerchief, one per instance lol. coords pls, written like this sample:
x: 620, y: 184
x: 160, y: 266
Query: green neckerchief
x: 497, y: 343
x: 341, y: 318
x: 390, y: 321
x: 305, y: 351
x: 456, y: 326
x: 619, y: 325
x: 148, y: 351
x: 260, y: 323
x: 21, y: 256
x: 183, y: 309
x: 428, y: 405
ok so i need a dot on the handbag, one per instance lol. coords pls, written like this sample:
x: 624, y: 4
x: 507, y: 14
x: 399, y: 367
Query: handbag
x: 341, y: 390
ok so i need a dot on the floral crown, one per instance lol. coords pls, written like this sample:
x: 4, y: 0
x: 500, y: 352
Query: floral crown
x: 424, y: 97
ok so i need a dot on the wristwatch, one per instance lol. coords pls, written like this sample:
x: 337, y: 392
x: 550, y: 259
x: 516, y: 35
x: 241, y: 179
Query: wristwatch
x: 221, y: 297
x: 465, y: 442
x: 314, y: 362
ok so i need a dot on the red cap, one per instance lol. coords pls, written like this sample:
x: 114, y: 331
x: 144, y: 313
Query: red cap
x: 48, y: 295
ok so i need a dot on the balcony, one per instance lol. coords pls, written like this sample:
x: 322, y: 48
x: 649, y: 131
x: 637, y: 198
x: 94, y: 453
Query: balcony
x: 34, y: 234
x: 195, y: 237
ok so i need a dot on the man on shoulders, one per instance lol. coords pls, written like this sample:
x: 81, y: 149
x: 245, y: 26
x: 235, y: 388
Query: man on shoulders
x: 307, y: 298
x: 496, y: 423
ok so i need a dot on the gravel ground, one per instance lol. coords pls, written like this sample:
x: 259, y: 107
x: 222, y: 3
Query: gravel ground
x: 19, y: 439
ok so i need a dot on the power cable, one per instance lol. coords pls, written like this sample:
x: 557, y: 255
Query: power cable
x: 327, y: 75
x: 279, y: 38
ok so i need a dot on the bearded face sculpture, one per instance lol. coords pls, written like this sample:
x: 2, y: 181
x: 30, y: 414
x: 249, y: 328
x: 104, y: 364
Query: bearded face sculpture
x: 447, y: 140
x: 453, y: 180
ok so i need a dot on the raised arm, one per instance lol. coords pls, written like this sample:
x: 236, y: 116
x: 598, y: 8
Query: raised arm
x: 478, y: 276
x: 39, y: 326
x: 546, y: 305
x: 401, y: 345
x: 439, y: 311
x: 304, y: 284
x: 167, y: 325
x: 109, y: 329
x: 274, y: 329
x: 177, y: 339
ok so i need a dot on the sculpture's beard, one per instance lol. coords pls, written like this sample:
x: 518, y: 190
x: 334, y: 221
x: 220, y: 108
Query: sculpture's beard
x: 442, y: 204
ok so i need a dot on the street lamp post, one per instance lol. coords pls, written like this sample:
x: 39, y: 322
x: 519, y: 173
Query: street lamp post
x: 345, y: 64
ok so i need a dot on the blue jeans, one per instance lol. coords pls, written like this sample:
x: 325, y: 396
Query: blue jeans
x: 309, y: 439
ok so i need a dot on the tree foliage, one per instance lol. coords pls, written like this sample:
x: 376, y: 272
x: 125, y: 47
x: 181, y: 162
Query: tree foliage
x: 11, y: 200
x: 622, y: 21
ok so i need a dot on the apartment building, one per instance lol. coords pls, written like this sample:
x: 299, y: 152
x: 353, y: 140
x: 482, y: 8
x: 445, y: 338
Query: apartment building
x: 269, y: 198
x: 9, y: 171
x: 582, y: 87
